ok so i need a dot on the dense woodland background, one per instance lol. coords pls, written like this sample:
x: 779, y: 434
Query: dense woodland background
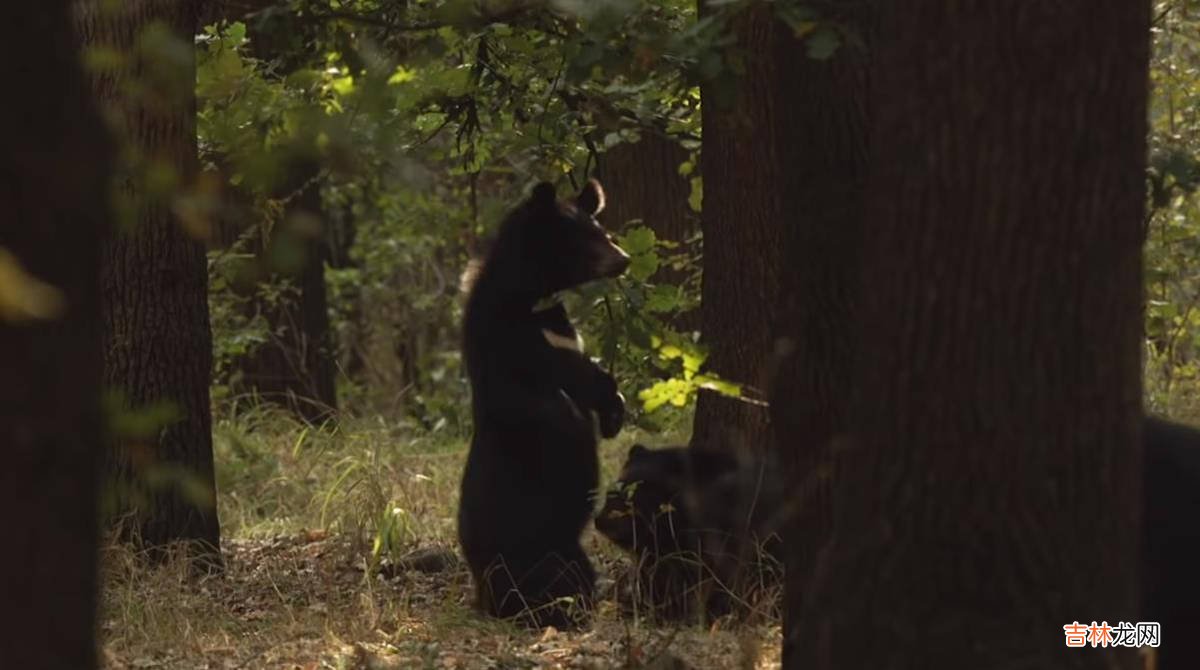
x: 912, y: 234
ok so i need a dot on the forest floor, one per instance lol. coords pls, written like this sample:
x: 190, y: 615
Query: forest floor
x: 307, y: 514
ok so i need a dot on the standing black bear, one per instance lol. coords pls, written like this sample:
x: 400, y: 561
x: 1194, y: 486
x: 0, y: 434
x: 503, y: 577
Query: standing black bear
x: 701, y: 526
x: 532, y: 468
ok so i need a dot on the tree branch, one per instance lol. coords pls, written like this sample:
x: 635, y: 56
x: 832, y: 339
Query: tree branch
x: 483, y: 18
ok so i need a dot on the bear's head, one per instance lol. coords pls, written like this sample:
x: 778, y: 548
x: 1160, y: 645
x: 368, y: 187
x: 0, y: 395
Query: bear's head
x: 645, y: 497
x: 645, y: 500
x: 547, y: 245
x: 648, y: 506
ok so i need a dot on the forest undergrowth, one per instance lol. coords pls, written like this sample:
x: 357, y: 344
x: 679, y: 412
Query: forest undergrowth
x: 319, y: 525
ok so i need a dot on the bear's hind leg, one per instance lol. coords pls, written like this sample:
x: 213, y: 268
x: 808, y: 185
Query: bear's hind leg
x: 563, y: 584
x: 554, y: 589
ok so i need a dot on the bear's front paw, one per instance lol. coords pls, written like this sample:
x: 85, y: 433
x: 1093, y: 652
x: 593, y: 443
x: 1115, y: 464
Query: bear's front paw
x: 613, y: 416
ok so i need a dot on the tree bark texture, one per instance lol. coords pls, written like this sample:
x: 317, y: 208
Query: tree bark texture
x: 296, y: 367
x: 54, y: 166
x: 822, y: 162
x: 742, y: 232
x: 642, y: 182
x: 990, y: 494
x: 154, y: 281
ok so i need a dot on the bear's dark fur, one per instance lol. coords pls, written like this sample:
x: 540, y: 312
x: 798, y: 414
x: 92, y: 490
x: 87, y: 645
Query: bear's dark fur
x: 653, y: 512
x: 699, y: 523
x: 532, y: 468
x: 1171, y: 539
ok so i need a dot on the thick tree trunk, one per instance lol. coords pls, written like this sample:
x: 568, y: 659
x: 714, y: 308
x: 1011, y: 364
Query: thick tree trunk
x: 823, y: 164
x: 55, y: 164
x: 990, y: 495
x: 742, y: 230
x: 156, y: 337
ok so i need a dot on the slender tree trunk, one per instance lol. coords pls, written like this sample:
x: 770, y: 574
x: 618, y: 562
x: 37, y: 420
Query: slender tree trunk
x: 156, y: 337
x: 823, y: 163
x: 991, y: 493
x: 742, y: 231
x: 348, y: 346
x: 295, y: 368
x: 54, y: 162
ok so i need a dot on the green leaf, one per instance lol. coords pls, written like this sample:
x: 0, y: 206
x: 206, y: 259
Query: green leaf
x: 664, y: 299
x: 668, y: 390
x: 235, y: 34
x: 638, y: 240
x: 401, y: 75
x: 139, y: 423
x: 822, y: 43
x: 642, y: 267
x: 343, y: 86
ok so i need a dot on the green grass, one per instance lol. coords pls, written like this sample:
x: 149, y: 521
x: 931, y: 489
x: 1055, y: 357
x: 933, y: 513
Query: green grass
x: 276, y: 475
x: 305, y: 510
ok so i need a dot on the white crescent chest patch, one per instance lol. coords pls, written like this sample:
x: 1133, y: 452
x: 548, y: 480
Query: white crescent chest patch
x: 563, y: 342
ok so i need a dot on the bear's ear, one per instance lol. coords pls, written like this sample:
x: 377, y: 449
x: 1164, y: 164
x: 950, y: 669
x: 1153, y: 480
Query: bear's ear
x: 543, y: 195
x: 591, y: 198
x: 637, y: 451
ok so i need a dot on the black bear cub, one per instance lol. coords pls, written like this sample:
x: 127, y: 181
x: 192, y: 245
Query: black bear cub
x: 700, y: 524
x: 532, y: 467
x: 1171, y: 539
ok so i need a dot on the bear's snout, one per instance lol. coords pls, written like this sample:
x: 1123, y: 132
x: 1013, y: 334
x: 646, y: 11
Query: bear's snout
x: 613, y: 262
